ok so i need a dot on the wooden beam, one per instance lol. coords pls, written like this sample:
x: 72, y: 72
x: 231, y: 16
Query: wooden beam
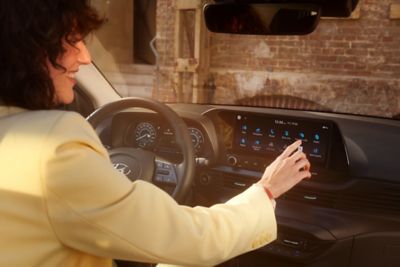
x: 394, y: 11
x: 197, y: 64
x: 198, y: 34
x: 186, y: 64
x: 178, y: 45
x: 178, y: 41
x: 188, y: 4
x: 178, y: 84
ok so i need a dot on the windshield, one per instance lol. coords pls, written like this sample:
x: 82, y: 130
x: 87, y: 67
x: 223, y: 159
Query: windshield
x: 161, y: 49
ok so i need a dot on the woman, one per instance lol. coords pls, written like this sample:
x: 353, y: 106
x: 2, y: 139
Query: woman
x: 62, y: 202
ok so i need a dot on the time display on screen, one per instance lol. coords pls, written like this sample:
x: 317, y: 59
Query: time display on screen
x: 269, y: 136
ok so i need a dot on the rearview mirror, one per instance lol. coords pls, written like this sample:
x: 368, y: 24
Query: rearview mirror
x: 262, y: 19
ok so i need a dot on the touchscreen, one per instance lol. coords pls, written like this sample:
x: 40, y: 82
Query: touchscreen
x: 269, y: 136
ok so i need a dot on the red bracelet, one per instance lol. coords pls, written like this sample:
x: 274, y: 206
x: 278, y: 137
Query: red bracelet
x: 268, y: 193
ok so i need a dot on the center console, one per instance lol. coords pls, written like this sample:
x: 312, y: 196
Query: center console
x: 249, y: 142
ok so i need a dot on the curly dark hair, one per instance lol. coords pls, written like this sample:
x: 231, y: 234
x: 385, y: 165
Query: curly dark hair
x: 32, y: 32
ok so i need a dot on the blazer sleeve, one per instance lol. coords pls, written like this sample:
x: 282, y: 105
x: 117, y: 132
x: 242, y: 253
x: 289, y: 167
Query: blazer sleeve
x: 97, y: 210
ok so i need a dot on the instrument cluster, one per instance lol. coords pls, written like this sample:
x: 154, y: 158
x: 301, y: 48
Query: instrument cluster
x: 153, y: 135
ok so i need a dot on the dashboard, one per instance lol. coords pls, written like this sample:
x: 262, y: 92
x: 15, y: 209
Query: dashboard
x: 249, y: 141
x: 349, y: 206
x: 147, y: 131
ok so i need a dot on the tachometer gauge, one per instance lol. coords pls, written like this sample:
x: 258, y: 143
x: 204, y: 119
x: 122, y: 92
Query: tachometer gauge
x: 145, y: 134
x: 197, y: 139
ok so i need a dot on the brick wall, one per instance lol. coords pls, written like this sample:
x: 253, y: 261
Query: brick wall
x: 346, y: 65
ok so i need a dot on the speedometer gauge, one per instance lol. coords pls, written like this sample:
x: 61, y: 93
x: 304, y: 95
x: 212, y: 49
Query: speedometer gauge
x: 145, y: 134
x: 197, y: 139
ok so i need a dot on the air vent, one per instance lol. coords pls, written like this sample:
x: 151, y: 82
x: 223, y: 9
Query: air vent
x: 364, y: 197
x: 313, y: 197
x: 373, y: 198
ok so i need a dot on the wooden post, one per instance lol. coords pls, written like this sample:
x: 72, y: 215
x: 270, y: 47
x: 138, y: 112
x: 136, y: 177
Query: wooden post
x: 197, y: 65
x: 178, y: 76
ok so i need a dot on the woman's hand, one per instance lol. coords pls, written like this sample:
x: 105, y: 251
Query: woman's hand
x: 286, y: 171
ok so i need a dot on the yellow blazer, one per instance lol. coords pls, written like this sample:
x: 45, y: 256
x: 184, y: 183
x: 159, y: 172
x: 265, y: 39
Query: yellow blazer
x: 63, y: 204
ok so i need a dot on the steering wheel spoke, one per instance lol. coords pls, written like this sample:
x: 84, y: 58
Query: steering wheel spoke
x: 165, y: 172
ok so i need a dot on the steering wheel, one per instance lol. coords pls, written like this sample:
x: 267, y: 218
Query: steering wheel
x: 146, y: 165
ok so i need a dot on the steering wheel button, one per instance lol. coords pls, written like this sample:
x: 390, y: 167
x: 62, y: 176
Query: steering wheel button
x: 168, y: 179
x: 164, y: 172
x: 159, y: 164
x: 167, y: 166
x: 159, y: 178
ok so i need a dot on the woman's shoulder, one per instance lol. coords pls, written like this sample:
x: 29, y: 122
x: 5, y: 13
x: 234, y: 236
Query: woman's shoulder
x: 52, y: 124
x: 66, y: 127
x: 18, y: 114
x: 48, y: 119
x: 45, y: 132
x: 69, y: 125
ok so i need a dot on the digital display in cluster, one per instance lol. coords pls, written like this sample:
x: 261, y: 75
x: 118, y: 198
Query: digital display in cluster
x: 270, y: 136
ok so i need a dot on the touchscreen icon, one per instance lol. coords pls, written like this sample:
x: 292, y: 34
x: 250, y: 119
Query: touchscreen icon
x: 316, y: 153
x: 317, y: 137
x: 258, y: 132
x: 272, y: 133
x: 257, y: 145
x: 286, y: 135
x: 302, y: 135
x: 270, y: 146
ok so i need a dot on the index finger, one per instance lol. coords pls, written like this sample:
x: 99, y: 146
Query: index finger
x: 290, y: 149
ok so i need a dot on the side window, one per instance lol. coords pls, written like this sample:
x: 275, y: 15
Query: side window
x: 121, y: 47
x: 144, y: 27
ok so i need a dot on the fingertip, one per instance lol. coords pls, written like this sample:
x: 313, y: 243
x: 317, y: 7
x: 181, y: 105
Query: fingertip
x: 296, y: 143
x: 305, y: 175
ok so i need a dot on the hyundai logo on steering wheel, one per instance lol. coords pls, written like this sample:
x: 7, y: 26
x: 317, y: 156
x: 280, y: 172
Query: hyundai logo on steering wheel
x: 122, y: 168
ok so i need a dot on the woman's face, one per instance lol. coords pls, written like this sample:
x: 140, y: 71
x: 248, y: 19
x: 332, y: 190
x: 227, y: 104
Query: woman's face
x: 64, y: 81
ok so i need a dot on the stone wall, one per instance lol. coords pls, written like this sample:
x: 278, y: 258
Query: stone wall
x: 346, y: 65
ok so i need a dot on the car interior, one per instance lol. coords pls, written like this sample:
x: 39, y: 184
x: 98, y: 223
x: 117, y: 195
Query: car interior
x: 347, y: 214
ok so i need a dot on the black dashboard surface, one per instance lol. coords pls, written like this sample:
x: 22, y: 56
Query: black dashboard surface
x: 371, y: 144
x: 352, y: 201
